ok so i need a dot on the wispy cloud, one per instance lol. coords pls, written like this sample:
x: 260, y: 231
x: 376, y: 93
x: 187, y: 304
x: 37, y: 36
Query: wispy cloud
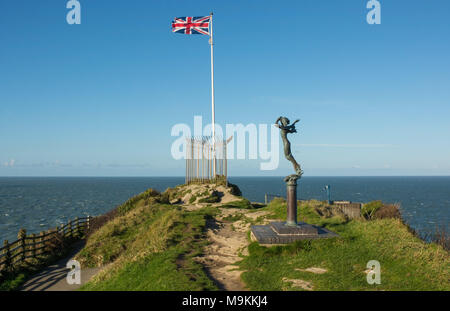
x: 138, y: 165
x: 345, y: 145
x: 35, y: 164
x: 46, y: 164
x: 10, y: 163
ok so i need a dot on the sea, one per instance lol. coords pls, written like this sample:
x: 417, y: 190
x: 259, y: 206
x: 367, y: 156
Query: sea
x: 41, y: 203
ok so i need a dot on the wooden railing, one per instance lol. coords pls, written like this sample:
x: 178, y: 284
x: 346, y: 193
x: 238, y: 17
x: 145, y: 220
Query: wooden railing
x: 35, y: 246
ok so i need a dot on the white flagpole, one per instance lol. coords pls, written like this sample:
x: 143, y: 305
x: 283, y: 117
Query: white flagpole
x: 211, y: 42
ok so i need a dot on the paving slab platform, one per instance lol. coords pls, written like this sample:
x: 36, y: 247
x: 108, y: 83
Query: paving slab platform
x: 280, y: 233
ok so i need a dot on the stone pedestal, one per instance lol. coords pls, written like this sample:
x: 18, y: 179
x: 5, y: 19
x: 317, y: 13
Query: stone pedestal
x: 291, y: 195
x: 289, y: 231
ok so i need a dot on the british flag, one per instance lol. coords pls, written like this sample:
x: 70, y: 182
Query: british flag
x: 198, y: 25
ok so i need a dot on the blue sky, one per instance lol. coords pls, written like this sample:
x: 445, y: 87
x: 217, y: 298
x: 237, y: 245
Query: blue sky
x: 100, y: 98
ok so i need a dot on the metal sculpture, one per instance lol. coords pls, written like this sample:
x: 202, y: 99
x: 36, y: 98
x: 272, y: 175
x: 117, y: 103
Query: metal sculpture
x: 206, y: 159
x: 286, y: 128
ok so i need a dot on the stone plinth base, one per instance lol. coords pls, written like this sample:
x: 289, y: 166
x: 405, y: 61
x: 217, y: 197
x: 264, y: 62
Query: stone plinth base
x: 302, y: 228
x: 280, y: 233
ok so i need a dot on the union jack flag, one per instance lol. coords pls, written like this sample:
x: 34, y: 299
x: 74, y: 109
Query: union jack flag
x: 198, y: 25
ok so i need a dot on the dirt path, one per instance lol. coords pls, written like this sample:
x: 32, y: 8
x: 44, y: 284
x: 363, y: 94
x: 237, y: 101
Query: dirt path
x: 228, y: 241
x: 53, y: 277
x: 222, y: 253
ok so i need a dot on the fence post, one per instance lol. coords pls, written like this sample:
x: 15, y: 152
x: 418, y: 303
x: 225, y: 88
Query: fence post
x: 41, y: 242
x: 265, y: 198
x: 33, y: 247
x: 55, y: 234
x: 61, y: 231
x: 21, y: 236
x: 50, y: 239
x: 70, y: 228
x: 77, y: 227
x: 7, y: 253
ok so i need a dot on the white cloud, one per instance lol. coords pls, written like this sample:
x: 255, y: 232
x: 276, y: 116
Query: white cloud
x: 10, y: 163
x: 346, y: 145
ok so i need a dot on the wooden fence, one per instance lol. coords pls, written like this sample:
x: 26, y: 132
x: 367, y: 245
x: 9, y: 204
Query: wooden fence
x: 35, y: 246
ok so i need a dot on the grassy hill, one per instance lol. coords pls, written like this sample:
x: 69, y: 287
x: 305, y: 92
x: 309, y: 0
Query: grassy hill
x: 150, y: 244
x: 407, y: 263
x: 149, y: 248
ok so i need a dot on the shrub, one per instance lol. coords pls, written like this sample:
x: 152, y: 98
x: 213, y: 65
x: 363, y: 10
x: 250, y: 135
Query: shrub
x: 99, y: 221
x: 235, y: 190
x: 387, y: 211
x: 57, y: 244
x: 379, y: 210
x: 163, y: 198
x: 370, y: 208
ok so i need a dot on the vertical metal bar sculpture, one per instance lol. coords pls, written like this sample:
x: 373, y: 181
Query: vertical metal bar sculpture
x: 226, y: 168
x: 200, y: 160
x: 192, y: 160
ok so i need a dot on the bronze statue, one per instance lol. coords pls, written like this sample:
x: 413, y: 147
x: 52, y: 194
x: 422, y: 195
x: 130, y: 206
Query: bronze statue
x: 280, y: 232
x: 283, y: 124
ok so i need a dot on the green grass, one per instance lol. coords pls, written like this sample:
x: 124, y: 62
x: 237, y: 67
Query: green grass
x: 244, y: 204
x: 146, y: 197
x: 212, y: 198
x: 13, y: 282
x: 192, y: 199
x: 407, y: 263
x: 151, y: 248
x: 233, y: 218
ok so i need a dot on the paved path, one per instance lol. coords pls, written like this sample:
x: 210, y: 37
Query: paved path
x: 53, y: 278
